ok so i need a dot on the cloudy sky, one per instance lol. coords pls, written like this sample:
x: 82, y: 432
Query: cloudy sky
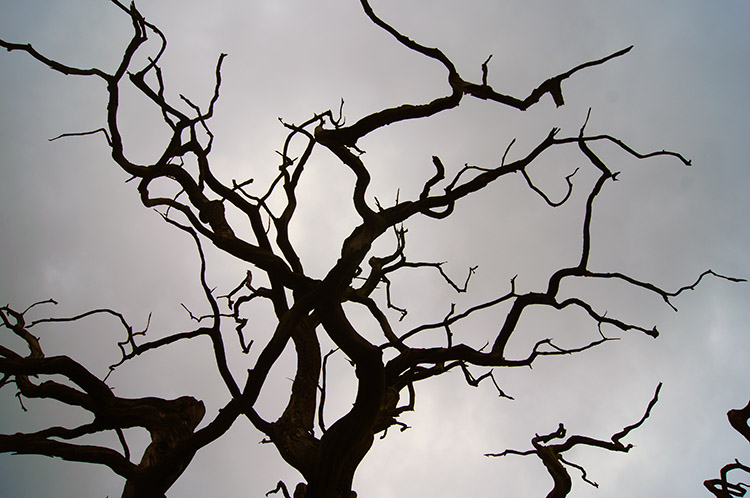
x: 71, y: 228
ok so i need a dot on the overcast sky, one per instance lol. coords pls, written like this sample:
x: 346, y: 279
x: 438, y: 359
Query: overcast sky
x: 71, y: 228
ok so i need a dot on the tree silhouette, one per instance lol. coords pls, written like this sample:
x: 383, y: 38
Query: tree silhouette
x: 253, y: 224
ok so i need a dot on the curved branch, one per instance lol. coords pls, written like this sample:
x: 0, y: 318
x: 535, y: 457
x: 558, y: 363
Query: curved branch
x: 551, y: 454
x: 53, y: 64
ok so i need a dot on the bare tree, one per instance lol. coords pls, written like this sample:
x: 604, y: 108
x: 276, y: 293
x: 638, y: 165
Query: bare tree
x: 240, y: 219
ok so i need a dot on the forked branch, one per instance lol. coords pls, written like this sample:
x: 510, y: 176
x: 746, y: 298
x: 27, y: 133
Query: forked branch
x: 551, y: 453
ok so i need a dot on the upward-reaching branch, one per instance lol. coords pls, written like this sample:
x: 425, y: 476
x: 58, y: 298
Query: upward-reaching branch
x: 551, y: 455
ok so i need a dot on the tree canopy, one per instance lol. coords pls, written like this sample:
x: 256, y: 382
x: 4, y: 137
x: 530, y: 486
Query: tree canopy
x: 341, y: 272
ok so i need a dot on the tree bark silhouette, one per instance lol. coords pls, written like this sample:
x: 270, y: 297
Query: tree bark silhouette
x: 306, y: 308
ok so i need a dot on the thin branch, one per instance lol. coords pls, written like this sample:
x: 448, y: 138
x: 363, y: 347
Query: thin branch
x: 85, y: 133
x: 53, y: 64
x: 455, y: 318
x: 544, y: 196
x: 551, y: 454
x: 214, y: 332
x: 280, y: 486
